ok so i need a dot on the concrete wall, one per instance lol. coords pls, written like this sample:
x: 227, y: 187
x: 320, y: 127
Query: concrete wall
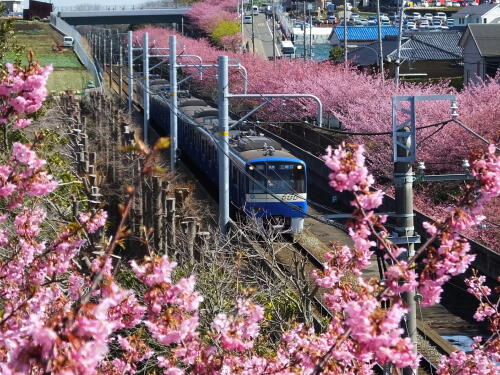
x: 473, y: 62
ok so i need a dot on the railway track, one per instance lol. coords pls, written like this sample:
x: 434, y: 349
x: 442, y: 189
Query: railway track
x: 429, y: 365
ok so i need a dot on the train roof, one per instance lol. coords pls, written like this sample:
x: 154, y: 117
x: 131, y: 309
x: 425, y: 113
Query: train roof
x: 251, y: 147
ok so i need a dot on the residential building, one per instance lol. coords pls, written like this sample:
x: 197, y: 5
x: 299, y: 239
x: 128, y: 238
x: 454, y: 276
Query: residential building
x: 359, y: 35
x: 481, y: 45
x: 40, y: 9
x: 13, y: 6
x: 483, y: 13
x: 426, y: 54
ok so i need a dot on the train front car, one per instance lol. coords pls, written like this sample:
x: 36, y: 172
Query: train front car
x: 275, y: 183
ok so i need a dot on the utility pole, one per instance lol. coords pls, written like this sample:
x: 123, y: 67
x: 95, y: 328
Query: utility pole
x: 111, y: 60
x: 310, y: 32
x: 253, y: 30
x: 104, y: 57
x: 274, y: 31
x: 345, y: 32
x: 305, y: 21
x: 130, y: 71
x: 223, y: 138
x: 145, y: 86
x: 380, y: 46
x: 398, y: 58
x: 173, y: 100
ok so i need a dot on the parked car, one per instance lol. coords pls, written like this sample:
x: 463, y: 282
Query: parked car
x: 456, y: 4
x: 68, y: 41
x: 247, y: 19
x: 437, y: 23
x: 392, y: 15
x: 450, y: 22
x: 448, y: 3
x: 354, y: 16
x: 441, y: 15
x: 423, y: 24
x: 438, y: 3
x: 428, y: 16
x: 411, y: 26
x: 416, y: 15
x: 332, y: 18
x: 360, y: 22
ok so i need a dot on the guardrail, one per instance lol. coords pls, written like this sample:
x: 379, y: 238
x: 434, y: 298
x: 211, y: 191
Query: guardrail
x: 66, y: 29
x: 171, y: 5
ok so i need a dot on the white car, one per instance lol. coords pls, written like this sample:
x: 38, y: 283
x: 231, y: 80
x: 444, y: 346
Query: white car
x: 448, y: 3
x: 411, y: 26
x: 438, y: 3
x: 456, y: 4
x: 68, y: 41
x: 247, y: 19
x: 416, y: 15
x: 441, y: 15
x: 428, y: 17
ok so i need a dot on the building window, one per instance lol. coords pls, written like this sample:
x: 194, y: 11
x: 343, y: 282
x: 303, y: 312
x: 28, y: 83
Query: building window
x: 478, y: 69
x: 485, y: 20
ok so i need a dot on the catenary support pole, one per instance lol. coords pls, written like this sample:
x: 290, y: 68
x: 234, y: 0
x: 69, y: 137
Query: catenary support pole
x: 111, y: 60
x: 173, y: 100
x: 145, y: 86
x: 403, y: 179
x: 310, y: 36
x: 400, y: 35
x: 120, y: 72
x: 223, y: 139
x: 130, y: 71
x: 380, y: 48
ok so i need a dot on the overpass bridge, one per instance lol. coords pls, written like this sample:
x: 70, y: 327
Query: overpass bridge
x: 120, y: 17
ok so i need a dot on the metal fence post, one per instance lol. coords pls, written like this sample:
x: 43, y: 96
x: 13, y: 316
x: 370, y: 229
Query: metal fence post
x: 223, y: 137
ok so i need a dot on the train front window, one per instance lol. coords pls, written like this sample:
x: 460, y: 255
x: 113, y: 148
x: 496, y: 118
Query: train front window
x: 285, y: 178
x: 276, y: 178
x: 257, y: 182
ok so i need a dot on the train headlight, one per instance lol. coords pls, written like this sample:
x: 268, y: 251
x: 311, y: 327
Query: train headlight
x: 299, y: 166
x: 251, y: 167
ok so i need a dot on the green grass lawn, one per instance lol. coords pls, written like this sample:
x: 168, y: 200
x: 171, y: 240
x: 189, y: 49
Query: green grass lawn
x: 40, y: 38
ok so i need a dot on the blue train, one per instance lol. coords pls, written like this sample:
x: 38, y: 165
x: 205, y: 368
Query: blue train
x: 266, y: 181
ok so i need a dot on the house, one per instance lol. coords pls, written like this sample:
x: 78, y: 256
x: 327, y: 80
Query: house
x: 38, y: 9
x: 13, y: 6
x: 359, y: 35
x: 481, y: 44
x: 483, y: 13
x: 429, y: 54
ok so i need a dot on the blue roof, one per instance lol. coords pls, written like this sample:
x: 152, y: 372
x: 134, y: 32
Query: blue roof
x: 364, y: 32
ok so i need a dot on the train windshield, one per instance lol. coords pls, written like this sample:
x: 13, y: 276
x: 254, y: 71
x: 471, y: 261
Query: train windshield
x: 277, y: 178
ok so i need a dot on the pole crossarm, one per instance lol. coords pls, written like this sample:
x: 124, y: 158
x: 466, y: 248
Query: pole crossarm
x: 314, y: 97
x: 404, y: 124
x: 261, y: 105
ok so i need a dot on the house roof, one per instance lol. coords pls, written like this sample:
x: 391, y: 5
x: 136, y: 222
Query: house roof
x: 486, y: 37
x: 479, y: 10
x: 424, y: 45
x: 363, y: 33
x: 368, y: 55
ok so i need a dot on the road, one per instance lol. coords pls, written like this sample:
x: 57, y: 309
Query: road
x: 263, y: 36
